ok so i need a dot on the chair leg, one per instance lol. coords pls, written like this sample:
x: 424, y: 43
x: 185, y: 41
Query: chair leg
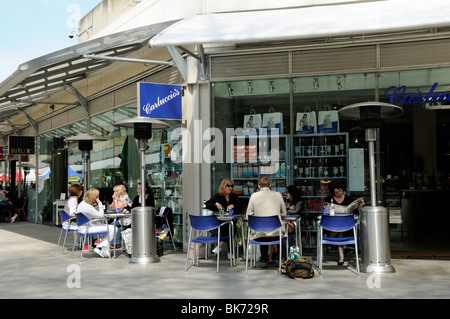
x: 279, y: 257
x: 356, y: 251
x: 64, y: 243
x: 170, y: 233
x: 246, y: 259
x: 188, y: 250
x: 24, y: 215
x: 320, y: 251
x: 59, y: 240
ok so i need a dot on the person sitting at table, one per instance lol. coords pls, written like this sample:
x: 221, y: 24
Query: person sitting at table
x: 266, y: 203
x: 224, y: 200
x: 92, y: 208
x: 149, y: 197
x: 339, y: 198
x: 121, y: 201
x: 6, y: 205
x: 293, y: 200
x: 75, y: 192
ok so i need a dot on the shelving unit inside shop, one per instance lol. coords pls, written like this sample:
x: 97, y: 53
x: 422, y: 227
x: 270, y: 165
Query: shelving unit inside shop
x: 259, y: 155
x: 319, y: 159
x: 166, y: 175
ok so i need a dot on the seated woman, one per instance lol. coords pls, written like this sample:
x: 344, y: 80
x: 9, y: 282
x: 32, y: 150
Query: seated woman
x: 71, y: 206
x: 149, y: 198
x: 121, y: 201
x: 92, y: 208
x: 5, y: 205
x: 224, y: 200
x: 75, y: 192
x: 293, y: 200
x: 338, y: 197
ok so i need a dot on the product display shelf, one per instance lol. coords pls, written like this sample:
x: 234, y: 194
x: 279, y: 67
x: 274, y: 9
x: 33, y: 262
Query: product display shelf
x: 318, y: 160
x: 256, y: 156
x: 166, y: 177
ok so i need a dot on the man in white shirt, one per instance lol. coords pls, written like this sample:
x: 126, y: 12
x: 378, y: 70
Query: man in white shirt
x: 266, y: 203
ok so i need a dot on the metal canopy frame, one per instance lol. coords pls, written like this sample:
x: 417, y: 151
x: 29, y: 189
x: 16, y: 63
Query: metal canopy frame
x: 37, y: 80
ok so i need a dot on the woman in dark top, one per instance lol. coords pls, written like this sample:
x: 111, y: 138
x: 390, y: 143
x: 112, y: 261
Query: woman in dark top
x: 225, y: 200
x: 149, y: 198
x: 338, y: 197
x: 293, y: 200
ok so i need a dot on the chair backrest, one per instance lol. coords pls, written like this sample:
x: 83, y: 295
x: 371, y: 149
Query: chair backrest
x: 264, y: 223
x: 64, y: 215
x: 337, y: 223
x: 81, y: 219
x: 204, y: 222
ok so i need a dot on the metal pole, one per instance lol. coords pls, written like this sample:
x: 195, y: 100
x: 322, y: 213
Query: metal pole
x: 85, y: 155
x: 142, y: 147
x: 371, y: 136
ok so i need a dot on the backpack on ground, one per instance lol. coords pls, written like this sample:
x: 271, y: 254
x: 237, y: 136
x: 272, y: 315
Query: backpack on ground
x: 298, y: 269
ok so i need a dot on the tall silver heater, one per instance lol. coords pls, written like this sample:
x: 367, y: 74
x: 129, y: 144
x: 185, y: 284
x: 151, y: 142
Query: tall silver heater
x: 143, y: 238
x: 374, y: 222
x: 85, y: 145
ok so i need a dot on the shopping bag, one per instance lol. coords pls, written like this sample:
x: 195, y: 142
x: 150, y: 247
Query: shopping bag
x: 306, y: 122
x: 252, y: 123
x: 273, y: 122
x: 328, y: 121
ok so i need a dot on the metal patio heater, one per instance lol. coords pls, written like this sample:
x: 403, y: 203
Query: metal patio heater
x: 85, y: 145
x: 374, y: 223
x: 143, y: 238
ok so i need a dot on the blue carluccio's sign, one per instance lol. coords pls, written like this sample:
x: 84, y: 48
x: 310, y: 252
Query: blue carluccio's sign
x: 159, y: 101
x: 397, y: 96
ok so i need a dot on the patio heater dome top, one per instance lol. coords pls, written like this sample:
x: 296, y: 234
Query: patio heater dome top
x: 85, y: 137
x: 85, y: 140
x: 143, y: 126
x: 155, y: 124
x: 370, y: 114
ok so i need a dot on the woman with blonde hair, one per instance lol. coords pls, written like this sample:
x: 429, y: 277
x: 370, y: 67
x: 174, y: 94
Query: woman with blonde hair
x: 225, y: 199
x: 121, y: 201
x: 92, y: 208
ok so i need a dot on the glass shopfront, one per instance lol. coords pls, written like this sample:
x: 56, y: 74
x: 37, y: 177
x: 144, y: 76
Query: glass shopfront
x: 412, y: 151
x: 114, y: 161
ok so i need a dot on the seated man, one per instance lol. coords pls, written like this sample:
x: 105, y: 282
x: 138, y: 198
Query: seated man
x: 266, y: 203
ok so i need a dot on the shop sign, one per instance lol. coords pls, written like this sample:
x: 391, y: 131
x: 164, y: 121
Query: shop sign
x: 21, y: 145
x: 397, y: 96
x: 159, y: 101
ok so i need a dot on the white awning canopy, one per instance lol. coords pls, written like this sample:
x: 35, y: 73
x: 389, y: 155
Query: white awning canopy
x: 309, y: 22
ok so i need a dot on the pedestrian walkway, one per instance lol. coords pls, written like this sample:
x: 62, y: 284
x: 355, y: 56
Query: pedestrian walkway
x: 31, y: 268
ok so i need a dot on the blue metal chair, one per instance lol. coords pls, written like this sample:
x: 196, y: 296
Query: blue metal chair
x: 204, y: 224
x: 337, y: 224
x: 67, y: 227
x: 264, y: 224
x: 84, y: 231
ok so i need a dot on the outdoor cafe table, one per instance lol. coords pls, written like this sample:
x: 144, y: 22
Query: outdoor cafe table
x: 231, y: 219
x: 113, y: 215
